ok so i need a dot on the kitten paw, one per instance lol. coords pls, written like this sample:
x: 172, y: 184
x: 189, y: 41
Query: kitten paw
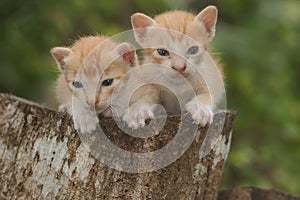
x: 201, y: 114
x: 85, y: 121
x: 63, y: 108
x: 136, y: 115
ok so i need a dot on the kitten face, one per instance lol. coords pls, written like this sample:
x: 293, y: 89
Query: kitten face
x: 176, y: 40
x: 180, y: 54
x: 96, y: 85
x: 95, y: 69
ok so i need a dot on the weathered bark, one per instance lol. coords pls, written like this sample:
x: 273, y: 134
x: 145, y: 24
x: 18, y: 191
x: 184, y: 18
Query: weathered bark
x: 251, y: 193
x: 42, y: 156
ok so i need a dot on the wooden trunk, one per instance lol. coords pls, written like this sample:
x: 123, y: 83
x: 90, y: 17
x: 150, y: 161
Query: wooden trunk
x: 42, y: 156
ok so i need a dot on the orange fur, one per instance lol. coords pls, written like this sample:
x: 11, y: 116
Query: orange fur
x: 178, y: 41
x: 91, y: 69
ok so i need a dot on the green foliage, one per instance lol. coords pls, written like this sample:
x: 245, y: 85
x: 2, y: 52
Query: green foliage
x: 30, y: 29
x: 258, y: 42
x: 262, y: 74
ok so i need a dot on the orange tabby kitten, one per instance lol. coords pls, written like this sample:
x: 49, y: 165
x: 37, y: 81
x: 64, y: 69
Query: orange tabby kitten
x: 178, y: 41
x: 90, y: 70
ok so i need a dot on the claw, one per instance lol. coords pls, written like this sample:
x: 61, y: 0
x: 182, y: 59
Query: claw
x: 136, y: 115
x: 201, y: 114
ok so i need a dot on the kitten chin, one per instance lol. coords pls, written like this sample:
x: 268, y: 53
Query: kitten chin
x: 177, y: 78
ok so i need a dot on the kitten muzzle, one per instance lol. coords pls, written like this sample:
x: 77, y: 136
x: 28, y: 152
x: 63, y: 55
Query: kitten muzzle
x: 93, y: 103
x: 180, y: 69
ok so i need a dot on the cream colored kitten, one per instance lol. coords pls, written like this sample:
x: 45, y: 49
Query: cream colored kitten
x: 178, y: 41
x: 90, y: 70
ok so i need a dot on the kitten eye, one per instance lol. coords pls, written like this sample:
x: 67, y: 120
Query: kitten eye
x: 77, y: 84
x: 193, y: 50
x: 107, y: 82
x: 163, y: 52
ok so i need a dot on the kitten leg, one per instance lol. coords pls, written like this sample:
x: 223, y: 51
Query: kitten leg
x: 142, y: 107
x: 136, y: 115
x: 63, y: 108
x: 201, y: 109
x: 107, y: 113
x: 85, y: 119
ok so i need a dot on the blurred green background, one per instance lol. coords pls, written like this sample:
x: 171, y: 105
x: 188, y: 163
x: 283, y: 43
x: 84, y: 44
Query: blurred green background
x: 258, y: 41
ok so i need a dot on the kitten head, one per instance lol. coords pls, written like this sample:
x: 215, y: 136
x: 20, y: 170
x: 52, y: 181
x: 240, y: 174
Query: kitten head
x: 93, y: 67
x: 177, y: 39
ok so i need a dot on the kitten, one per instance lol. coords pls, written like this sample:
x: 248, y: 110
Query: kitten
x: 178, y: 41
x: 90, y: 70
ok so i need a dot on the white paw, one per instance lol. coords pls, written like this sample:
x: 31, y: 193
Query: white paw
x: 85, y: 121
x: 201, y: 114
x: 136, y: 115
x: 63, y: 108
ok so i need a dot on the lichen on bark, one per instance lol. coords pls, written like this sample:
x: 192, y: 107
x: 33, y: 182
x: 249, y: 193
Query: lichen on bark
x: 43, y: 157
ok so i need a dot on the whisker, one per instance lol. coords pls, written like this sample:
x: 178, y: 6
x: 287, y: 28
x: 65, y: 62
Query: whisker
x: 217, y: 53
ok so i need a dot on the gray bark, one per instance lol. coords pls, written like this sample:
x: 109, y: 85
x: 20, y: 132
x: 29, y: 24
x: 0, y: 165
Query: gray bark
x: 43, y: 157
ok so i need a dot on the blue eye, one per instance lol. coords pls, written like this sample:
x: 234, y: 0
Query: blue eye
x: 163, y: 52
x: 193, y: 50
x: 77, y: 84
x: 107, y: 82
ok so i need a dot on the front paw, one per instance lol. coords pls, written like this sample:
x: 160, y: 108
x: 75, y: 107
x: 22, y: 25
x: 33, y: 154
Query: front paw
x: 85, y: 122
x: 136, y: 115
x: 201, y: 114
x: 63, y: 108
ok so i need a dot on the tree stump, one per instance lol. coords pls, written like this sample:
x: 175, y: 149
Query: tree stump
x: 43, y: 157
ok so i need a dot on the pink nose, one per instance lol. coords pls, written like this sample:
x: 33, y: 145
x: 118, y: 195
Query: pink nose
x: 92, y: 103
x: 179, y: 68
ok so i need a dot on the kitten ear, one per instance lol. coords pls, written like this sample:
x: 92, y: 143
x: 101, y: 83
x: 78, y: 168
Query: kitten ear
x: 207, y: 19
x: 60, y: 54
x: 140, y: 22
x: 127, y: 51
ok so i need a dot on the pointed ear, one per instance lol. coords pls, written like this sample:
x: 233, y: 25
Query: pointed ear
x: 207, y: 19
x: 60, y: 54
x: 140, y: 22
x: 127, y: 51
